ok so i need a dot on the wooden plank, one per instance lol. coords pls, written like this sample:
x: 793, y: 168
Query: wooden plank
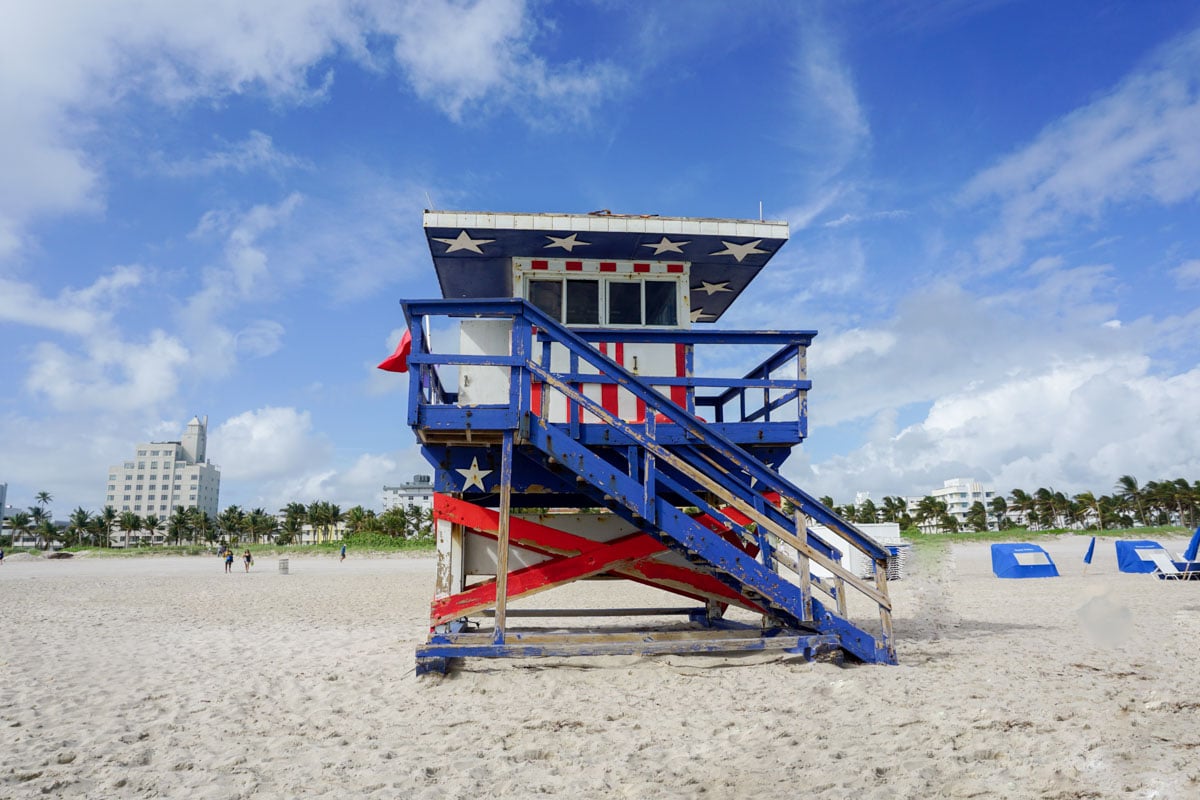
x: 599, y: 612
x: 540, y: 577
x: 626, y: 635
x: 501, y: 586
x: 647, y: 648
x: 551, y: 541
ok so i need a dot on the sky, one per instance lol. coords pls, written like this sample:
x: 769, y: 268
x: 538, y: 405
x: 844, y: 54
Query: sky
x: 214, y: 208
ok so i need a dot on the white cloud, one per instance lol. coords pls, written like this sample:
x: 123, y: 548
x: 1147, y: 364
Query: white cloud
x: 256, y: 152
x: 260, y: 338
x: 1136, y: 144
x: 1187, y: 274
x: 108, y: 373
x: 267, y: 443
x: 1074, y: 427
x: 272, y: 456
x: 67, y: 65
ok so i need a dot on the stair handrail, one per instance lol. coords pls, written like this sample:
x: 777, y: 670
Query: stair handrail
x: 514, y: 307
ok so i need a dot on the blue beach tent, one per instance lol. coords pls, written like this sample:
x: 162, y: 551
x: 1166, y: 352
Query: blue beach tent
x: 1129, y: 555
x: 1193, y: 546
x: 1022, y: 561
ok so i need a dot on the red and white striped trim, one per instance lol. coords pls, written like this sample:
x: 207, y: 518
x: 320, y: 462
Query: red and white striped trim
x: 595, y: 266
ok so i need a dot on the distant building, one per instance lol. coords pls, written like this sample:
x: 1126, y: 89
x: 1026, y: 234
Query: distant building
x: 163, y: 476
x: 418, y: 492
x: 959, y: 494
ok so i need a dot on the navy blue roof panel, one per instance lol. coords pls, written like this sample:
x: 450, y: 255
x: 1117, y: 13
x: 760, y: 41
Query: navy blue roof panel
x: 472, y: 251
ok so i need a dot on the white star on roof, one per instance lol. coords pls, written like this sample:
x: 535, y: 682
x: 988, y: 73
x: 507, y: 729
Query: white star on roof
x: 566, y: 242
x: 474, y: 476
x: 698, y: 315
x: 740, y: 251
x: 465, y: 242
x: 665, y: 245
x: 712, y: 288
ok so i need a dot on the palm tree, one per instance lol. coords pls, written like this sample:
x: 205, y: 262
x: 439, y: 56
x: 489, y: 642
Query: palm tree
x: 150, y: 525
x: 108, y: 517
x: 80, y: 522
x: 930, y: 508
x: 202, y: 525
x: 1000, y: 509
x: 1089, y: 501
x: 356, y: 519
x: 977, y: 517
x: 261, y: 525
x: 179, y: 524
x: 20, y: 523
x: 232, y: 522
x: 1128, y: 491
x: 893, y: 508
x: 394, y: 522
x: 1020, y: 501
x: 46, y: 533
x: 130, y: 523
x: 43, y: 499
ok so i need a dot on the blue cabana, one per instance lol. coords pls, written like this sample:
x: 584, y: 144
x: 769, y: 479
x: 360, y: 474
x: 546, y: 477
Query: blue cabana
x: 1022, y: 561
x: 1129, y: 555
x: 1193, y: 546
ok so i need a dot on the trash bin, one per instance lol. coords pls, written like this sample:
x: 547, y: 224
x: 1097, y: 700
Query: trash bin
x: 283, y: 566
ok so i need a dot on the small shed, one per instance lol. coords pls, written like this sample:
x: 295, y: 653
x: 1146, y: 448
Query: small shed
x: 1022, y: 561
x: 1130, y: 555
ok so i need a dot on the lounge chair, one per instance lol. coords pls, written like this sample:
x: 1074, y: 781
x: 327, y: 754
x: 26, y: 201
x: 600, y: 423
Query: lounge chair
x: 1167, y: 569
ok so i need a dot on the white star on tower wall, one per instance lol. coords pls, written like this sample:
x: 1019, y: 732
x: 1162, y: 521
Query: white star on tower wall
x: 474, y: 476
x: 464, y: 242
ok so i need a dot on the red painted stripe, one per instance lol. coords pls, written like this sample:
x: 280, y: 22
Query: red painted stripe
x: 608, y: 391
x: 679, y: 393
x: 674, y: 267
x: 608, y: 266
x: 572, y: 553
x: 539, y: 264
x: 575, y: 266
x: 535, y: 397
x: 641, y: 267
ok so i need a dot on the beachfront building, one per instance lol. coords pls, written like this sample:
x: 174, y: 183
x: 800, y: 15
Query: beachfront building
x: 959, y: 494
x: 163, y: 476
x: 418, y: 492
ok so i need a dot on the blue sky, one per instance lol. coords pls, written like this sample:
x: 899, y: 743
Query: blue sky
x: 213, y: 208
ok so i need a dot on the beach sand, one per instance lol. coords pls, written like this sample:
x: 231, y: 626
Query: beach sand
x: 164, y: 677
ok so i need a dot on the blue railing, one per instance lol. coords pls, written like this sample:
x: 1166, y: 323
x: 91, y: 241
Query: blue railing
x: 703, y: 460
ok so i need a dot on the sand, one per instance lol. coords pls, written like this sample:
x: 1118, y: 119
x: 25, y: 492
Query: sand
x: 164, y: 677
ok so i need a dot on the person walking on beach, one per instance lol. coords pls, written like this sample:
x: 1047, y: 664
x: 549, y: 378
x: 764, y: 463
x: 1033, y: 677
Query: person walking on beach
x: 247, y: 559
x: 343, y: 558
x: 2, y: 556
x: 229, y: 559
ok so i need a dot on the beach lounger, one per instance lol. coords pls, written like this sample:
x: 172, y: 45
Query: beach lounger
x: 1164, y: 567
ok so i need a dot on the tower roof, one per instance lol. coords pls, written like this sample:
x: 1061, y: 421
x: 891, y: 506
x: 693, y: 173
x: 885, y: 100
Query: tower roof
x: 472, y: 251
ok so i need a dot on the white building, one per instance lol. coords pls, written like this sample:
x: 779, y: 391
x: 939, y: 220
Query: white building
x: 417, y: 492
x: 164, y: 476
x: 959, y: 494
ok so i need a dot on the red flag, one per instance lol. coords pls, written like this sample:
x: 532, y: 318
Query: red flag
x: 398, y: 361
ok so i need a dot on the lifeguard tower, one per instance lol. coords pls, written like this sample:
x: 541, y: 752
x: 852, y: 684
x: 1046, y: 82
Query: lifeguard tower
x: 553, y: 389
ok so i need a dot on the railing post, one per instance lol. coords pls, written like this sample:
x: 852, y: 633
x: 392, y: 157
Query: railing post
x: 520, y: 346
x: 881, y: 581
x: 502, y: 536
x: 805, y: 571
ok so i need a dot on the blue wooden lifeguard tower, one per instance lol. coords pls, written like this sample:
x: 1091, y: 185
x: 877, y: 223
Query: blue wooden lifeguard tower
x: 553, y: 390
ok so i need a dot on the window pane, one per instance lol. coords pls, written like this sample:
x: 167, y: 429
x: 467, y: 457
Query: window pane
x: 583, y: 302
x: 547, y: 295
x: 660, y: 303
x: 624, y: 303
